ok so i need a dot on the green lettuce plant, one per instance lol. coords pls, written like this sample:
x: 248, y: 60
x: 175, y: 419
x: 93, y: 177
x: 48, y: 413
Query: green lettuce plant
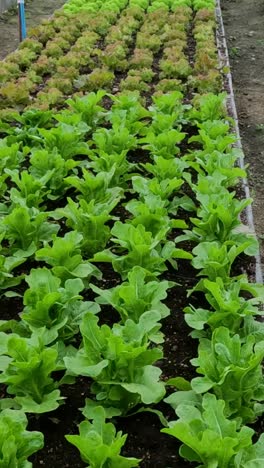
x: 66, y: 260
x: 232, y: 369
x: 16, y: 443
x: 119, y: 360
x: 139, y: 294
x: 88, y: 219
x: 27, y: 373
x: 136, y: 246
x: 99, y: 444
x: 57, y: 308
x: 208, y: 437
x: 26, y: 229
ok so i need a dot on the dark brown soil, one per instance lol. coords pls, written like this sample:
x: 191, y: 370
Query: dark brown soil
x: 245, y: 36
x: 36, y: 11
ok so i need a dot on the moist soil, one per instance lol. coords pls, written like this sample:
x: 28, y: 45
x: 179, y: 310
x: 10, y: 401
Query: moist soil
x: 36, y: 11
x: 243, y: 22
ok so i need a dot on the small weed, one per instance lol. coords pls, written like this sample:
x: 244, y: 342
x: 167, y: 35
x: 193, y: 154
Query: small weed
x: 234, y: 52
x: 260, y: 127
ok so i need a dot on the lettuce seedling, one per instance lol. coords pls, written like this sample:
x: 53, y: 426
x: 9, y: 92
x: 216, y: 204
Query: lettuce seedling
x: 164, y: 188
x: 99, y: 444
x: 89, y: 219
x: 208, y: 437
x: 58, y: 309
x: 214, y: 136
x: 16, y: 443
x: 141, y: 293
x: 67, y: 139
x: 229, y: 306
x: 27, y: 373
x: 163, y: 168
x: 215, y: 260
x: 98, y: 188
x: 119, y: 361
x: 29, y: 191
x: 136, y: 246
x: 66, y: 260
x: 169, y: 103
x: 232, y: 369
x: 218, y: 214
x: 116, y: 164
x: 114, y: 140
x: 25, y: 229
x: 127, y: 107
x: 216, y: 164
x: 208, y: 107
x: 154, y: 216
x: 157, y: 195
x: 52, y: 166
x: 165, y: 144
x: 89, y: 108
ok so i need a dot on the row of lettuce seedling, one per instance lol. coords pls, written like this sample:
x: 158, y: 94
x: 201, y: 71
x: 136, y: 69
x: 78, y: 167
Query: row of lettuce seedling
x: 139, y: 253
x: 82, y: 52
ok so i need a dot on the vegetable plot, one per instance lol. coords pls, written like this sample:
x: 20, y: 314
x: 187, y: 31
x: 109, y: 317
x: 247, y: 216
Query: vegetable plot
x: 122, y: 233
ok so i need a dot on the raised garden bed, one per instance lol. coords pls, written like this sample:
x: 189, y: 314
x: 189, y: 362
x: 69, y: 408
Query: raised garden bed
x: 127, y: 248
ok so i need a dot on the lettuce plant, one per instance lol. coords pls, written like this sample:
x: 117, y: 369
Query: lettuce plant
x: 136, y: 246
x: 208, y: 437
x: 89, y: 219
x: 120, y: 362
x: 164, y: 189
x: 29, y: 191
x: 208, y: 107
x: 27, y: 373
x: 139, y: 294
x: 215, y: 260
x: 48, y: 304
x: 97, y: 188
x: 99, y: 444
x: 53, y: 166
x: 214, y: 136
x: 229, y: 307
x: 25, y: 229
x: 164, y: 144
x: 161, y: 196
x: 217, y: 163
x: 153, y: 215
x: 114, y: 140
x: 92, y: 113
x: 163, y: 168
x: 232, y: 369
x: 16, y: 443
x: 218, y: 213
x: 67, y: 139
x: 115, y: 164
x: 66, y: 260
x: 127, y: 107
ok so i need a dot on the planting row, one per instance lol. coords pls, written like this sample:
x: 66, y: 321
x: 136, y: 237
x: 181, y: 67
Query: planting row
x: 127, y: 49
x: 140, y: 248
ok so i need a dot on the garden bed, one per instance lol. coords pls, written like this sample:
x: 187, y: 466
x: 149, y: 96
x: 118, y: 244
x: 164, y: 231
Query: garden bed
x: 116, y: 204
